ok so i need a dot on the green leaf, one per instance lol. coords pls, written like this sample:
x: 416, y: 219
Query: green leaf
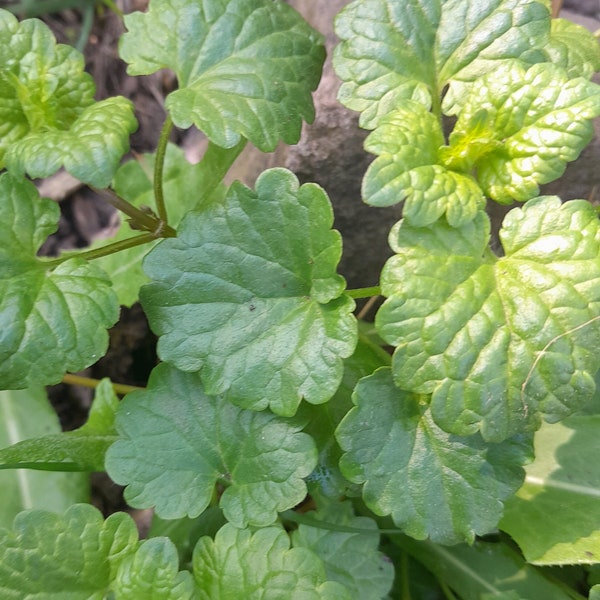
x: 390, y: 52
x: 498, y: 342
x: 26, y: 414
x: 434, y: 485
x: 185, y: 187
x: 554, y: 517
x: 352, y: 559
x: 249, y: 295
x: 42, y: 84
x: 409, y: 167
x: 52, y: 321
x: 485, y: 570
x: 574, y: 48
x: 74, y: 556
x: 80, y: 450
x: 246, y: 68
x: 90, y: 149
x: 240, y: 564
x: 48, y: 117
x: 323, y: 419
x: 177, y: 443
x: 153, y: 573
x: 528, y: 137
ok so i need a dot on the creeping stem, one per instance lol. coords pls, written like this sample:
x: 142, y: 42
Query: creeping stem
x: 159, y: 165
x: 364, y: 292
x: 119, y: 388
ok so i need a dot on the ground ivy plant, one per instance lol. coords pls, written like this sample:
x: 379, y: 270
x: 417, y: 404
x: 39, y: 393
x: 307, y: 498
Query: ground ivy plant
x: 289, y: 449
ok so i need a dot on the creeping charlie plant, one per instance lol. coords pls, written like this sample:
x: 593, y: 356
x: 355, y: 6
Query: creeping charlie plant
x: 287, y: 448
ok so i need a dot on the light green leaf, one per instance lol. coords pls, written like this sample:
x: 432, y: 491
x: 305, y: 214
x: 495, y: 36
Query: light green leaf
x: 484, y: 571
x: 246, y: 68
x: 390, y: 52
x: 574, y: 48
x: 249, y: 295
x: 26, y: 414
x: 185, y: 187
x: 554, y: 517
x: 498, y: 342
x: 352, y: 559
x: 75, y: 556
x: 240, y: 564
x: 51, y: 321
x: 48, y: 117
x: 152, y: 573
x: 90, y: 149
x: 409, y: 167
x: 434, y: 485
x: 80, y: 450
x: 177, y: 443
x: 324, y: 418
x: 42, y: 84
x: 518, y: 138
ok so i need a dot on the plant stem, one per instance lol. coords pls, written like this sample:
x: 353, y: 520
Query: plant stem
x: 120, y: 388
x: 303, y: 519
x: 113, y: 248
x: 159, y: 166
x: 86, y: 26
x: 157, y: 227
x: 364, y: 292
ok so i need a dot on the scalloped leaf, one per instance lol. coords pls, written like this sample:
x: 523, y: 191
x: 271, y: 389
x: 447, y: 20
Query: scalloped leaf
x: 351, y: 558
x: 433, y: 484
x: 90, y: 149
x: 574, y: 48
x: 390, y: 52
x: 517, y: 138
x: 153, y: 573
x: 74, y: 556
x: 246, y: 68
x: 409, y: 167
x: 172, y: 453
x: 48, y: 117
x: 498, y: 342
x: 241, y: 564
x: 82, y: 449
x: 248, y: 294
x: 52, y: 321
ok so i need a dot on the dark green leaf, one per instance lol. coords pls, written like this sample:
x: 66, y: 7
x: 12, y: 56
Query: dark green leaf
x: 177, y: 443
x: 434, y: 485
x: 249, y: 295
x: 51, y: 321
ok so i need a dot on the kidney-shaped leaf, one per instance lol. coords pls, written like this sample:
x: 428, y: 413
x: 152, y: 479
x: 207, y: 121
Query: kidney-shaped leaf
x: 177, y: 443
x: 248, y: 294
x: 391, y: 51
x: 51, y: 321
x: 245, y: 67
x: 499, y: 342
x: 241, y: 564
x: 433, y: 484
